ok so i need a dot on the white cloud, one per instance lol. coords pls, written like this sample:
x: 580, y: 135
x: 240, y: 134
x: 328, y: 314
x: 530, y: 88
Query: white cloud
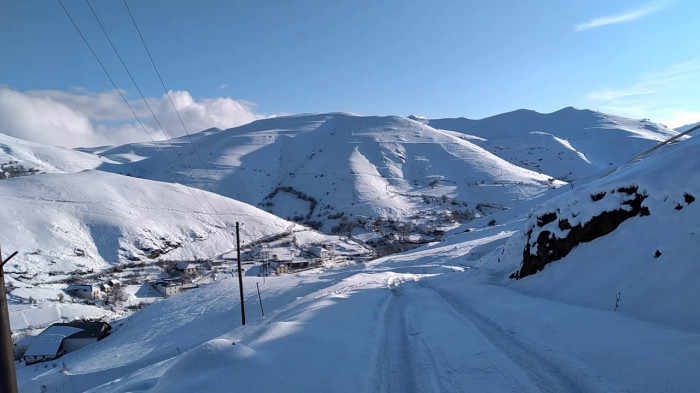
x: 681, y: 118
x: 621, y: 18
x: 81, y: 118
x: 667, y: 96
x: 199, y: 115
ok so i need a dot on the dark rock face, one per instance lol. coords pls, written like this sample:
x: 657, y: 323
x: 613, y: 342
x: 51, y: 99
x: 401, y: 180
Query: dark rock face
x: 551, y: 248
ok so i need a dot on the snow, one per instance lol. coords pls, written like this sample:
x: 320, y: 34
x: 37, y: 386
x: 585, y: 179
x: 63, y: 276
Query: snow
x: 570, y: 144
x: 48, y: 342
x: 609, y: 316
x: 344, y: 162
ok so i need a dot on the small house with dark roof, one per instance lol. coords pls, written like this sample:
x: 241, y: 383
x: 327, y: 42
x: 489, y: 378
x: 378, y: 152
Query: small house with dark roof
x: 61, y: 338
x: 86, y: 291
x: 186, y: 267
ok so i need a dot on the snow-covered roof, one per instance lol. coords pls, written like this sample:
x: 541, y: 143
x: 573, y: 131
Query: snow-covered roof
x: 49, y: 341
x: 185, y: 265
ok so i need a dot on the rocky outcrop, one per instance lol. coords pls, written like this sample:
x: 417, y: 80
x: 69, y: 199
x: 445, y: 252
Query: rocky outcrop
x: 545, y: 246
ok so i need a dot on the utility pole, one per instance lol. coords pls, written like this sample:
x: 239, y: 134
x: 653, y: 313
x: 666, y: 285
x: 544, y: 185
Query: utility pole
x: 240, y: 273
x: 260, y: 299
x: 8, y: 378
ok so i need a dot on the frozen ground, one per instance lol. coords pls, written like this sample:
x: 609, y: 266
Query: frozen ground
x: 611, y: 315
x: 425, y: 321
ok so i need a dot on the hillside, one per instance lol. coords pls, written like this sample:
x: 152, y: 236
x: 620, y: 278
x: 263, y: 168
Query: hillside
x: 610, y: 315
x: 92, y: 219
x: 344, y: 174
x: 569, y: 144
x: 632, y: 235
x: 76, y: 225
x: 37, y: 158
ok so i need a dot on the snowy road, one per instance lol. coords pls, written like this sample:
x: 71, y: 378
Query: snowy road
x: 401, y: 327
x: 434, y: 344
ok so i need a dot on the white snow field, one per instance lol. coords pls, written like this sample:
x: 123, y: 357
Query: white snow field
x: 570, y: 144
x: 358, y: 165
x: 609, y: 316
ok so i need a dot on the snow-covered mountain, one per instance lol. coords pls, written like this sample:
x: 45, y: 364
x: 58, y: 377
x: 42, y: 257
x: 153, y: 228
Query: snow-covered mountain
x: 584, y: 288
x: 323, y: 169
x: 92, y: 219
x: 37, y: 158
x: 611, y: 314
x: 687, y: 127
x: 570, y: 144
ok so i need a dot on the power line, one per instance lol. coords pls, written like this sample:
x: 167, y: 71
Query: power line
x: 111, y: 80
x: 127, y: 70
x: 94, y: 54
x: 167, y: 92
x: 168, y: 139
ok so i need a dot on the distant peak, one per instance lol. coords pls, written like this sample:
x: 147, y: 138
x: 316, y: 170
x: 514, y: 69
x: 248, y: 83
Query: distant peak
x: 420, y: 119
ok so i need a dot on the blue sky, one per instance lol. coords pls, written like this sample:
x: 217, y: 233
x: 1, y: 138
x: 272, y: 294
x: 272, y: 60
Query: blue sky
x: 230, y: 62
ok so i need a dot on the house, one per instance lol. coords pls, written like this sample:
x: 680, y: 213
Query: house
x: 106, y: 288
x: 61, y: 338
x: 168, y: 288
x: 299, y: 263
x: 86, y: 291
x: 321, y: 252
x: 114, y: 283
x: 276, y: 254
x: 186, y: 267
x: 281, y: 269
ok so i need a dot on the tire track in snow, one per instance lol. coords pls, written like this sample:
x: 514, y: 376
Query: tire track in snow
x: 546, y: 372
x: 394, y: 367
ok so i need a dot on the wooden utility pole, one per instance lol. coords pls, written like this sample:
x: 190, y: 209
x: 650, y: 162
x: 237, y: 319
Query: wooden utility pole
x: 8, y: 378
x: 260, y: 299
x: 240, y: 273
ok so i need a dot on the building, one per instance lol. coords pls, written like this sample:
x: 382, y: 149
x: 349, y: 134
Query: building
x: 86, y: 291
x: 168, y: 288
x: 186, y: 267
x: 321, y: 252
x: 299, y: 263
x: 61, y: 338
x: 276, y: 254
x: 281, y: 268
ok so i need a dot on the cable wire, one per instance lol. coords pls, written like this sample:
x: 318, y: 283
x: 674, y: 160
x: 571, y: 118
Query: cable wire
x: 94, y: 54
x: 167, y: 92
x: 168, y: 139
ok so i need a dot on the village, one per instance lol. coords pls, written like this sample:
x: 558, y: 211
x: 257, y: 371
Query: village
x: 127, y: 289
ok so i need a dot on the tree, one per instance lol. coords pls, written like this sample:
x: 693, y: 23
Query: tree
x: 116, y: 297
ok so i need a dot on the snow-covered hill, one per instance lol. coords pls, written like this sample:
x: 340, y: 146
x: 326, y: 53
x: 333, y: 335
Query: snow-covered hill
x: 38, y: 158
x: 92, y: 219
x: 604, y: 274
x: 608, y: 316
x: 634, y: 234
x: 569, y: 144
x: 345, y: 174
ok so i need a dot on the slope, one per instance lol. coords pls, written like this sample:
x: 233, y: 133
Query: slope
x: 91, y: 219
x: 434, y: 319
x: 570, y: 144
x: 36, y: 158
x: 627, y: 241
x: 327, y: 168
